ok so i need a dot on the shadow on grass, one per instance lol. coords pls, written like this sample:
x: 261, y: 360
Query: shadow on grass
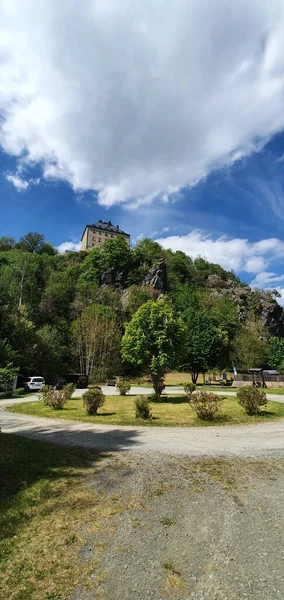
x: 171, y: 400
x: 29, y: 467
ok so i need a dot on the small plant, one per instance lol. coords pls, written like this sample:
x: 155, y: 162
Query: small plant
x: 19, y: 392
x: 142, y: 408
x: 189, y: 388
x: 205, y: 404
x: 251, y: 399
x: 69, y: 389
x: 123, y: 387
x: 93, y: 399
x: 45, y: 394
x: 57, y: 398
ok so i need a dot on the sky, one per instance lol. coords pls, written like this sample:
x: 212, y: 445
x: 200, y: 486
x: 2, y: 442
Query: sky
x: 165, y: 117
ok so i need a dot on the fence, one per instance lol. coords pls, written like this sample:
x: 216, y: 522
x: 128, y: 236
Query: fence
x: 270, y: 380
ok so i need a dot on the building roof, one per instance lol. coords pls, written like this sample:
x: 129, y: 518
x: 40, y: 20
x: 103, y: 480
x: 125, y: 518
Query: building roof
x: 106, y: 226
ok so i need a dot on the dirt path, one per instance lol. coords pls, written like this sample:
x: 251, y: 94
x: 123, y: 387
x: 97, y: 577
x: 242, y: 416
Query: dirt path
x: 251, y: 440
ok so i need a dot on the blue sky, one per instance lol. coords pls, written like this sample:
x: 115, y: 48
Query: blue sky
x: 171, y: 128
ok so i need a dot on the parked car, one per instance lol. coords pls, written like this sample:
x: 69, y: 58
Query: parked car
x: 81, y: 381
x: 33, y: 384
x: 114, y: 380
x: 59, y: 383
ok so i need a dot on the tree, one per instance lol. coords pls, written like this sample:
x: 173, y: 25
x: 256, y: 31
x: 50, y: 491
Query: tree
x: 96, y: 341
x: 276, y: 353
x: 7, y: 377
x: 6, y: 243
x: 250, y: 347
x: 115, y: 254
x: 47, y: 248
x: 204, y: 342
x: 32, y: 242
x: 153, y: 339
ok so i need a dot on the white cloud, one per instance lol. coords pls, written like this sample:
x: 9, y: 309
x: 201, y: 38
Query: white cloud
x: 19, y: 183
x: 237, y: 254
x: 137, y: 99
x: 73, y: 246
x: 267, y: 278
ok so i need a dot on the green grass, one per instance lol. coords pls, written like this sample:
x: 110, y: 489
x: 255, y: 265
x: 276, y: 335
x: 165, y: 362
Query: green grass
x: 41, y: 486
x: 172, y: 412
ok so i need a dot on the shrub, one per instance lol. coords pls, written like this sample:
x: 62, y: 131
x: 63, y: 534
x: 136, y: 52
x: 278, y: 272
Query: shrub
x: 92, y: 400
x: 205, y: 404
x: 189, y: 388
x: 142, y: 408
x: 45, y: 393
x: 69, y: 389
x: 19, y: 392
x: 57, y: 398
x: 251, y: 399
x: 123, y: 387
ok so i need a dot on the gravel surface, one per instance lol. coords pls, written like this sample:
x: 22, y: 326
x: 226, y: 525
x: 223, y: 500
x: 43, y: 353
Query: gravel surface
x: 188, y: 530
x: 265, y: 439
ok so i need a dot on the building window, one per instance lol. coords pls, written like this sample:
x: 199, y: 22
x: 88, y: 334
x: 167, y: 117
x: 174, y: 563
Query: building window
x: 100, y: 239
x: 106, y: 234
x: 111, y: 235
x: 93, y: 244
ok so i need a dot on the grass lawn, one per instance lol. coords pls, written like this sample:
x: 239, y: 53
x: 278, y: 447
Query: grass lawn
x: 172, y: 412
x: 46, y: 509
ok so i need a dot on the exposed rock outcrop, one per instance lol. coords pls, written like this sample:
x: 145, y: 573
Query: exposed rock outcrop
x: 263, y: 303
x: 157, y: 276
x: 112, y: 277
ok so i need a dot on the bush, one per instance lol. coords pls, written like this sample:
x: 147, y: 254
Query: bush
x: 251, y: 399
x: 19, y: 392
x: 45, y: 393
x: 189, y: 388
x: 205, y: 404
x: 57, y: 398
x: 142, y: 408
x: 156, y: 398
x: 69, y: 389
x: 93, y: 399
x: 123, y: 387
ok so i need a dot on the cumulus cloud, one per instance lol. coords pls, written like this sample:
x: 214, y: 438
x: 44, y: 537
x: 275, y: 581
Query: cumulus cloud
x: 73, y: 246
x: 19, y: 183
x: 237, y: 254
x: 138, y: 99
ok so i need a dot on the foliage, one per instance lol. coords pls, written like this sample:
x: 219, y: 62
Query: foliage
x: 44, y: 394
x: 205, y: 404
x: 19, y: 392
x: 189, y: 388
x: 7, y: 377
x: 69, y: 389
x: 251, y: 399
x: 32, y: 242
x: 153, y: 339
x: 96, y: 341
x: 55, y: 398
x: 249, y: 347
x: 123, y: 387
x: 93, y: 399
x: 204, y: 341
x: 142, y: 408
x: 276, y: 353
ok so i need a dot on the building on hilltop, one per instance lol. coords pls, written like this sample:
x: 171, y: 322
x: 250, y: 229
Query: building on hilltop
x: 94, y: 235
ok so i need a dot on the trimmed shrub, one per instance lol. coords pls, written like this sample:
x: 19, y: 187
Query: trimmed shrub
x: 19, y: 392
x: 57, y: 398
x: 69, y: 389
x: 123, y: 387
x: 93, y: 399
x: 142, y: 408
x: 189, y: 388
x: 205, y: 404
x: 251, y: 399
x: 44, y: 394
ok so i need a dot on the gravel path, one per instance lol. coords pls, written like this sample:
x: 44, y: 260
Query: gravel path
x: 251, y: 440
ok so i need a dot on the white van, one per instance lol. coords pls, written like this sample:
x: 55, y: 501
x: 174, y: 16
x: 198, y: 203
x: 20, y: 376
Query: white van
x: 34, y: 384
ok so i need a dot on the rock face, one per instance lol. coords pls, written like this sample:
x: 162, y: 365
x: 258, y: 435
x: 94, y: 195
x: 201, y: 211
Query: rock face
x: 112, y: 277
x: 263, y: 303
x: 157, y: 276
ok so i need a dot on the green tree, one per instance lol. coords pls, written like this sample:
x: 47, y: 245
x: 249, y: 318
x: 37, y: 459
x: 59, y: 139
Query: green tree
x: 115, y: 254
x: 276, y: 353
x: 31, y: 242
x: 6, y: 243
x: 250, y: 347
x: 96, y: 342
x: 204, y: 342
x: 153, y: 339
x: 7, y: 377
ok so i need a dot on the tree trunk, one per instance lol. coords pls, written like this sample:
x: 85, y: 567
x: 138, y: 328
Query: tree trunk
x: 194, y: 376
